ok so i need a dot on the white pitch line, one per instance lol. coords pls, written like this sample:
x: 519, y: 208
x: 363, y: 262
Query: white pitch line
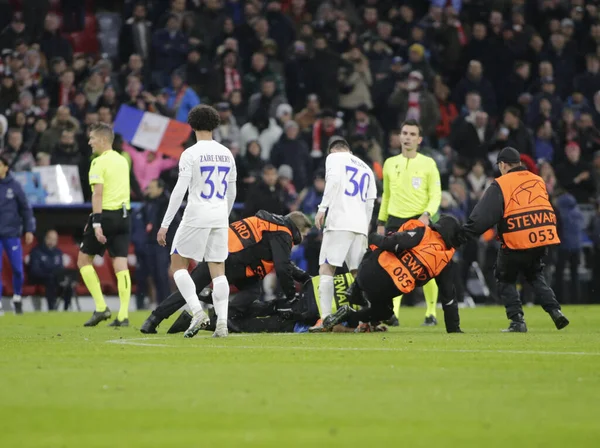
x: 135, y: 342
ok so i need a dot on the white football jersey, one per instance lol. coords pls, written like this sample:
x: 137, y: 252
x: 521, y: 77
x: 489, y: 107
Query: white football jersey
x: 349, y: 184
x: 211, y: 167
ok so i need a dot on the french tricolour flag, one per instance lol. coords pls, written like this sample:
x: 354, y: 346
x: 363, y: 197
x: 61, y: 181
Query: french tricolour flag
x: 150, y: 131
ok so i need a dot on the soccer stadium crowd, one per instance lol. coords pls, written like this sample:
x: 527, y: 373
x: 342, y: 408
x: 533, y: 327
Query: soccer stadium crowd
x: 288, y: 75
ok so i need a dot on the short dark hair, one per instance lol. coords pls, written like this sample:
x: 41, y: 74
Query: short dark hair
x: 204, y: 118
x: 411, y: 122
x: 4, y: 160
x: 338, y: 143
x: 268, y: 167
x: 513, y: 111
x: 103, y: 129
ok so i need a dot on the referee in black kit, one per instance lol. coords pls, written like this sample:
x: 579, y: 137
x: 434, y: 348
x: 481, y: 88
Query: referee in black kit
x: 108, y: 226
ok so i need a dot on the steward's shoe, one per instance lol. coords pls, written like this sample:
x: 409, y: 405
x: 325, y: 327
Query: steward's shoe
x: 119, y: 323
x: 341, y: 315
x: 392, y: 321
x: 560, y: 320
x: 430, y: 321
x: 98, y: 317
x: 149, y: 326
x: 516, y: 327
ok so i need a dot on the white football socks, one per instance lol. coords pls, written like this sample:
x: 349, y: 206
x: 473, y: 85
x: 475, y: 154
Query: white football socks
x: 326, y: 295
x: 187, y: 288
x: 221, y: 298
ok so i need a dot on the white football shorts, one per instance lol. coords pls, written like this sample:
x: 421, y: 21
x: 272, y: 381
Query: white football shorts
x: 210, y: 245
x: 342, y: 245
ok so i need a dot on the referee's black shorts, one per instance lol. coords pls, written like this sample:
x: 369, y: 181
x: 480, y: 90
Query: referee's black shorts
x: 394, y: 223
x: 116, y: 228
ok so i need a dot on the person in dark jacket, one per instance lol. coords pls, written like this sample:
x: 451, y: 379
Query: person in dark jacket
x: 574, y: 174
x: 154, y: 209
x: 266, y: 194
x: 252, y: 255
x: 512, y: 132
x: 526, y: 227
x: 46, y: 269
x: 588, y: 83
x: 53, y: 45
x: 570, y: 231
x: 293, y: 151
x: 16, y: 218
x: 474, y: 81
x: 170, y: 49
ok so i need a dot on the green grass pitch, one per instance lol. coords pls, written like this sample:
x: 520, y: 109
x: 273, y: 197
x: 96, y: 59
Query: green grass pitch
x: 63, y: 385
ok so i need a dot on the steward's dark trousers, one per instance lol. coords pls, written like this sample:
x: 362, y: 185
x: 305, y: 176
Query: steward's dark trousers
x: 509, y: 264
x: 249, y: 288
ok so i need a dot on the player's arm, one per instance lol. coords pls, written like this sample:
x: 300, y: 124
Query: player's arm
x: 385, y: 198
x: 281, y: 250
x: 183, y: 182
x: 96, y: 176
x: 231, y: 187
x: 399, y: 241
x: 447, y: 297
x: 487, y: 213
x: 434, y: 188
x: 332, y: 183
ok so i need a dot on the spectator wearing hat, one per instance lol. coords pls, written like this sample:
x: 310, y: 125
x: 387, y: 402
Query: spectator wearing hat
x: 355, y: 87
x: 574, y: 175
x: 284, y: 114
x: 228, y: 129
x: 418, y: 62
x: 52, y: 43
x: 474, y: 81
x: 307, y: 117
x: 14, y: 31
x: 292, y: 151
x: 136, y: 35
x: 411, y: 101
x: 170, y: 49
x: 268, y: 98
x: 181, y: 99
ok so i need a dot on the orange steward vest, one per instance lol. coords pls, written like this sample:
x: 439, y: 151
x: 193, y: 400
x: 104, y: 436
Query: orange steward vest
x: 529, y: 220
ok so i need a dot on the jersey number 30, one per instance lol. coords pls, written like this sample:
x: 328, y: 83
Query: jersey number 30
x: 207, y: 174
x: 361, y: 187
